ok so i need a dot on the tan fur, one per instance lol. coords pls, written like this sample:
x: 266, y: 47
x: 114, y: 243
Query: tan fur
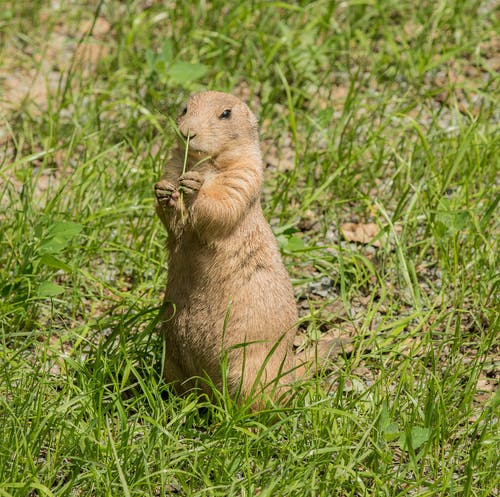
x: 227, y: 291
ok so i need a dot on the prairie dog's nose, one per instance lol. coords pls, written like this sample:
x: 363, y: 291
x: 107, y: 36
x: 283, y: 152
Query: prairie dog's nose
x: 187, y: 132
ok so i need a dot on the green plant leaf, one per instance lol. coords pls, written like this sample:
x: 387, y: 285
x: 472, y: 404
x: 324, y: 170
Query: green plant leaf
x: 451, y: 220
x: 290, y: 243
x: 54, y: 262
x: 49, y: 289
x: 59, y: 236
x: 391, y: 432
x: 65, y: 228
x: 415, y: 439
x: 52, y: 245
x: 294, y: 244
x: 186, y: 72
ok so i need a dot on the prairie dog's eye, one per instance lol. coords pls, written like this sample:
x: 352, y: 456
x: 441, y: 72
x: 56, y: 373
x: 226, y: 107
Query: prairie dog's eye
x: 184, y: 111
x: 226, y: 114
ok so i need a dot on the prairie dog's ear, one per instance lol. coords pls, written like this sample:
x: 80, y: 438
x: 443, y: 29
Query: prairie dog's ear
x: 253, y: 120
x: 245, y: 110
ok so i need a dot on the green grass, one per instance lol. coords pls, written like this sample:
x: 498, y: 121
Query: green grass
x: 380, y: 111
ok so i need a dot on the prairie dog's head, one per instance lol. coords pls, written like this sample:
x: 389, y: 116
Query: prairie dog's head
x: 218, y: 122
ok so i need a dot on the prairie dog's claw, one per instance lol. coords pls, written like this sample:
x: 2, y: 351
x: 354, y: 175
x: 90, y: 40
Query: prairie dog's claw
x: 166, y: 193
x: 190, y: 182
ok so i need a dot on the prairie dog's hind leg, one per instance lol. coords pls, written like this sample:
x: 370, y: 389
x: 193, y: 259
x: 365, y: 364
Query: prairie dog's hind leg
x: 173, y: 376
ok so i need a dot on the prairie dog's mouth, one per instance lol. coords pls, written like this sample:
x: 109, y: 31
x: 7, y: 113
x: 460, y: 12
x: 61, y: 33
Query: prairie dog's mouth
x: 184, y: 143
x: 194, y: 153
x: 194, y: 150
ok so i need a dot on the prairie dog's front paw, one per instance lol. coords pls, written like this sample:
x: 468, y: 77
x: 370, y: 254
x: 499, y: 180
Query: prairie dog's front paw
x: 191, y: 182
x: 166, y: 193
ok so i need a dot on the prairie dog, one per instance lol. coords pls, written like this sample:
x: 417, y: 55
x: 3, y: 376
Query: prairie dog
x: 228, y: 294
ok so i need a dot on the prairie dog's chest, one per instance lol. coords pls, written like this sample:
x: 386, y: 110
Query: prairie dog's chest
x: 207, y: 169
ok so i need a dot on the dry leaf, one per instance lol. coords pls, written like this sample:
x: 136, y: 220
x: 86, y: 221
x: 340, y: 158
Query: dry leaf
x: 360, y: 232
x: 99, y: 27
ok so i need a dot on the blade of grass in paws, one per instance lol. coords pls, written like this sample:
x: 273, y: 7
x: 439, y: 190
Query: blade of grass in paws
x: 181, y: 193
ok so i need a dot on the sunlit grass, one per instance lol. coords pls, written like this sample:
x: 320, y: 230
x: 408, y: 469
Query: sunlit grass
x: 380, y: 112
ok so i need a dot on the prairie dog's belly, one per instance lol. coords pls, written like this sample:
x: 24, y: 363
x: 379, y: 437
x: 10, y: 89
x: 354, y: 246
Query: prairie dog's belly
x: 240, y: 280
